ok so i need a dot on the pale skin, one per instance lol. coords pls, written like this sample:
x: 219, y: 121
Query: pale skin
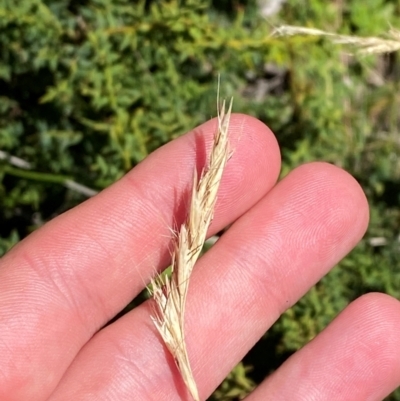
x: 60, y: 285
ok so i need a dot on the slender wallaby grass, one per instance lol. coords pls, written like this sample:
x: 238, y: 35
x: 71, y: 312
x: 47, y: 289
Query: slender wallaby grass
x: 170, y: 294
x: 364, y: 45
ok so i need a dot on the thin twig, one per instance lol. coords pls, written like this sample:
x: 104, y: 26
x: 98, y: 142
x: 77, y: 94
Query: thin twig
x: 24, y: 170
x: 364, y: 45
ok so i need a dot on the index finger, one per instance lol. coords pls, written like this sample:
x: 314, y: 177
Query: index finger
x: 65, y: 281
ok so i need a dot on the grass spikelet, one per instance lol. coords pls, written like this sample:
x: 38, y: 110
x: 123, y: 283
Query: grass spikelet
x: 364, y: 45
x: 170, y: 294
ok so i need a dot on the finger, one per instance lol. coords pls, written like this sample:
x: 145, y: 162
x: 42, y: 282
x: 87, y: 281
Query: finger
x: 70, y: 277
x: 356, y: 358
x: 261, y: 266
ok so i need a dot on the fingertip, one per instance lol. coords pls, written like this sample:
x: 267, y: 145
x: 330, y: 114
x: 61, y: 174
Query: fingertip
x: 379, y: 314
x: 255, y: 163
x: 337, y: 191
x: 252, y: 143
x: 372, y: 324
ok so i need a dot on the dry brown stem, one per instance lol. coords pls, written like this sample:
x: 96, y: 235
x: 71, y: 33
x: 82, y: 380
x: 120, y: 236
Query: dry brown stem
x: 170, y: 294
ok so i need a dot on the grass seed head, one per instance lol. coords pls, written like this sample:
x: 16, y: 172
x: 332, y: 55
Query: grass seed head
x: 170, y: 295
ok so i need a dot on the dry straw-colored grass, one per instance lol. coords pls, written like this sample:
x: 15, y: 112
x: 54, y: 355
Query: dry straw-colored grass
x: 170, y: 294
x: 363, y: 45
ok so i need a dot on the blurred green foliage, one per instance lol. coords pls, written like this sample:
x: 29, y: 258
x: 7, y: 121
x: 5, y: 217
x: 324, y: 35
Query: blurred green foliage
x: 88, y: 89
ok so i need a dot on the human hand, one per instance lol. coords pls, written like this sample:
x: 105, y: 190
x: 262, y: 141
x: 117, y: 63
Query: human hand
x: 64, y: 282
